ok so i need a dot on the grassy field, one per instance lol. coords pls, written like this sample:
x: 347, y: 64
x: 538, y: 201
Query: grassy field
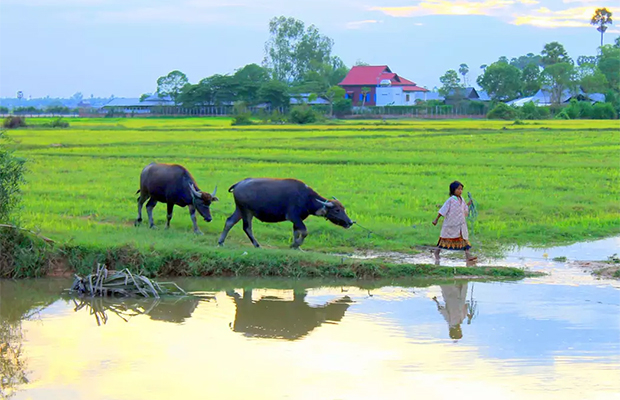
x: 545, y: 182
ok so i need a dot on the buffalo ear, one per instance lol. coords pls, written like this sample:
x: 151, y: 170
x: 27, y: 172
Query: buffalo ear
x: 215, y: 199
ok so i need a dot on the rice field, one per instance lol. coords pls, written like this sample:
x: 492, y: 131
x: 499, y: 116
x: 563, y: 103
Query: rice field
x: 544, y: 182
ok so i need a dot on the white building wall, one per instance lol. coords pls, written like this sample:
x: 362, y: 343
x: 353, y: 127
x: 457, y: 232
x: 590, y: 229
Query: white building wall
x: 390, y: 96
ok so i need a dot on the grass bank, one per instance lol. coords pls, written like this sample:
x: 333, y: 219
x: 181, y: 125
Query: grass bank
x: 541, y: 183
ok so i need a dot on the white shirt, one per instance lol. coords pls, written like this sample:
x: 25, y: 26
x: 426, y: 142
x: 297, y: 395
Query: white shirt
x: 454, y: 224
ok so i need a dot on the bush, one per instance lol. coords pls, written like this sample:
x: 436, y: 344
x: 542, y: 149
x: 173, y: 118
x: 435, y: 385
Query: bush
x: 603, y: 111
x: 302, y: 115
x: 562, y: 115
x: 531, y: 111
x: 4, y: 110
x: 277, y: 117
x: 502, y: 111
x: 57, y: 123
x: 11, y: 176
x: 241, y: 114
x: 13, y: 122
x: 343, y: 107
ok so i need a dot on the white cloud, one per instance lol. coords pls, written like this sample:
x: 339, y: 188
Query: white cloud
x: 360, y: 24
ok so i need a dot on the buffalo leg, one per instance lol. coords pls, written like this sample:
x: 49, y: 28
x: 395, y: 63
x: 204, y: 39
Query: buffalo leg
x: 149, y: 210
x: 141, y: 201
x: 192, y: 214
x: 247, y: 228
x: 299, y: 234
x: 230, y: 222
x: 169, y: 216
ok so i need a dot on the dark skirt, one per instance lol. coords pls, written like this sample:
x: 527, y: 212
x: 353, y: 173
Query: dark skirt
x: 454, y: 243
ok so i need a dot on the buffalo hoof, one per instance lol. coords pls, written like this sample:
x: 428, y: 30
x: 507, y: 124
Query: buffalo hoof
x: 137, y: 223
x: 220, y: 244
x: 153, y: 227
x: 198, y: 233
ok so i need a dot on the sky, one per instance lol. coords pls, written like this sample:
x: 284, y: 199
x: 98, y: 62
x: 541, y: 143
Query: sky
x: 117, y: 47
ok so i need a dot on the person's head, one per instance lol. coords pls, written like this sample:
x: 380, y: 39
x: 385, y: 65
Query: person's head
x: 456, y: 188
x: 455, y: 332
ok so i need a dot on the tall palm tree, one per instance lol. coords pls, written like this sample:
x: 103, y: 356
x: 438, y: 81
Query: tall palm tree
x: 601, y: 18
x: 463, y: 70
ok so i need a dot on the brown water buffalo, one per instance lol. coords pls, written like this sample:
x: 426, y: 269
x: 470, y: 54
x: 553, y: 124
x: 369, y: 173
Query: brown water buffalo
x: 277, y: 200
x: 174, y: 185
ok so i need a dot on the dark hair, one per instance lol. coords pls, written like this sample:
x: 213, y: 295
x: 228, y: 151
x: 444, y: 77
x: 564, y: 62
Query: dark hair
x: 453, y: 186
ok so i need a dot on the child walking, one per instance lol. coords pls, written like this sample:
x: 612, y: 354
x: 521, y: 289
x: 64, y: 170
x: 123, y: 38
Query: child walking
x: 454, y: 234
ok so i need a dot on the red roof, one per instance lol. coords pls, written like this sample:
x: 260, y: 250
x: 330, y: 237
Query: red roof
x: 372, y: 75
x: 414, y: 89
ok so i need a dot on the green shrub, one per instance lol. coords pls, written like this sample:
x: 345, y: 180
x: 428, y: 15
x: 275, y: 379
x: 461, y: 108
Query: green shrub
x: 603, y: 111
x: 13, y: 122
x: 11, y: 176
x: 573, y: 109
x: 343, y: 107
x: 4, y: 110
x: 562, y: 115
x: 302, y: 115
x: 57, y: 123
x: 502, y: 111
x: 241, y: 114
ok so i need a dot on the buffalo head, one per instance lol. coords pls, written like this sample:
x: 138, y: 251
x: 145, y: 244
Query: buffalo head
x: 202, y: 201
x: 334, y: 211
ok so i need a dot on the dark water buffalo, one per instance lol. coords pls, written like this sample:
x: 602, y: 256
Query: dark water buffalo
x: 277, y: 200
x: 274, y: 318
x: 173, y: 185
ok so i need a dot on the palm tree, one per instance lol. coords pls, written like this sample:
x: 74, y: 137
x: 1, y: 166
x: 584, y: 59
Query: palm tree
x: 365, y: 91
x: 483, y: 67
x: 602, y: 18
x: 463, y: 70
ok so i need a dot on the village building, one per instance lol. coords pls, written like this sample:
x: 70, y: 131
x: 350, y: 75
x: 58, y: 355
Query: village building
x: 377, y: 85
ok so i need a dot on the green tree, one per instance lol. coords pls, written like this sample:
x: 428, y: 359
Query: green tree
x: 591, y: 79
x: 275, y: 93
x: 523, y: 61
x: 501, y: 81
x: 248, y: 80
x: 530, y: 76
x: 12, y: 171
x: 451, y: 84
x: 559, y: 78
x: 321, y: 76
x: 483, y: 67
x: 292, y: 48
x: 554, y: 53
x: 334, y: 93
x: 587, y: 60
x: 464, y: 70
x: 609, y: 65
x: 600, y: 19
x: 171, y: 85
x: 144, y: 96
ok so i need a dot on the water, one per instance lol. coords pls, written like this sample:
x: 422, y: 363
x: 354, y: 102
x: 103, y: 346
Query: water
x: 538, y: 338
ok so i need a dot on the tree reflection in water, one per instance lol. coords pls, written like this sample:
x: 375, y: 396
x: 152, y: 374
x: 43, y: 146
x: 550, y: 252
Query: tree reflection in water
x: 168, y: 309
x: 12, y: 364
x: 273, y: 317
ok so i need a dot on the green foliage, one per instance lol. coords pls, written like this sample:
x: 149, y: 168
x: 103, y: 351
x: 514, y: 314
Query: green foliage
x: 530, y: 76
x: 450, y: 83
x: 559, y: 77
x: 342, y: 107
x: 555, y: 53
x: 12, y: 171
x: 591, y: 79
x: 241, y: 114
x: 56, y: 123
x: 609, y: 65
x: 275, y: 93
x: 12, y: 122
x: 532, y: 111
x: 302, y: 115
x: 502, y: 111
x: 4, y: 110
x: 600, y: 19
x: 579, y: 109
x: 58, y: 110
x: 562, y: 115
x: 171, y: 85
x: 603, y: 111
x: 501, y: 81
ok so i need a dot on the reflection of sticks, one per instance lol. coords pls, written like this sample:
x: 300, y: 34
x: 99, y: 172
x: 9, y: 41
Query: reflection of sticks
x: 472, y: 306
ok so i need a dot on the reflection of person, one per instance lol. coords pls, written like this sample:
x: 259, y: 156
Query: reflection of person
x: 455, y: 310
x: 454, y: 234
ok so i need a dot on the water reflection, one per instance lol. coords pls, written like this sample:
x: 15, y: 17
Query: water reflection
x: 168, y: 309
x: 274, y: 317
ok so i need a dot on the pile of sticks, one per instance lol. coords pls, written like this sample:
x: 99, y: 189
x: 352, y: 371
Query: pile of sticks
x: 122, y: 284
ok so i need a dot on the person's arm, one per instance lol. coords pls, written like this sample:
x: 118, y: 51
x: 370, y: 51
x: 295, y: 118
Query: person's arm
x: 437, y: 219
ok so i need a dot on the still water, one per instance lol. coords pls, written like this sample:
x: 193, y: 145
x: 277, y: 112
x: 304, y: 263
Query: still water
x: 278, y: 339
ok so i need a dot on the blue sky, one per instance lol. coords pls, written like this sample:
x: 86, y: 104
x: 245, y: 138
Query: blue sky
x: 114, y: 47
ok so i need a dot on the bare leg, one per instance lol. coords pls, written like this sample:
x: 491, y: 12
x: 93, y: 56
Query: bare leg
x: 141, y: 201
x: 469, y: 259
x: 169, y: 216
x: 149, y: 210
x: 192, y: 214
x: 230, y: 222
x: 247, y: 228
x: 436, y: 253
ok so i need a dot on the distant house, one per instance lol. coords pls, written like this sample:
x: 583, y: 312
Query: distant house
x: 303, y: 98
x: 385, y: 87
x: 134, y: 105
x: 543, y: 98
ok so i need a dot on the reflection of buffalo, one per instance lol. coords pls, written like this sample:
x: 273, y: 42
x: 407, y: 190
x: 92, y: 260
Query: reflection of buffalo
x: 272, y: 317
x: 174, y: 310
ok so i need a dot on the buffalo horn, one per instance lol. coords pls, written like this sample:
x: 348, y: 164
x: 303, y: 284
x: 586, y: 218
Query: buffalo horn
x: 214, y: 191
x: 195, y: 192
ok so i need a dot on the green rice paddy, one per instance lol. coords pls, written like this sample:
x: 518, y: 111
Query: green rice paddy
x: 542, y: 183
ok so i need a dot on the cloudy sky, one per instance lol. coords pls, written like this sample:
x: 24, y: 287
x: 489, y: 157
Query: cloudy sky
x: 121, y: 47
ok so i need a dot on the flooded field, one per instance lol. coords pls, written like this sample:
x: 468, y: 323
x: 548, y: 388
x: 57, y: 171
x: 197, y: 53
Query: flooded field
x: 538, y: 338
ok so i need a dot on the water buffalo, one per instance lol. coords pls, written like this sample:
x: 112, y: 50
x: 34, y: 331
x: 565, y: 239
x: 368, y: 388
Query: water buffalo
x: 173, y: 185
x: 277, y: 200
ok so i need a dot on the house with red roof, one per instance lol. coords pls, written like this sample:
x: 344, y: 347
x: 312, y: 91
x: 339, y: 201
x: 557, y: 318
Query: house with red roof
x: 385, y: 87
